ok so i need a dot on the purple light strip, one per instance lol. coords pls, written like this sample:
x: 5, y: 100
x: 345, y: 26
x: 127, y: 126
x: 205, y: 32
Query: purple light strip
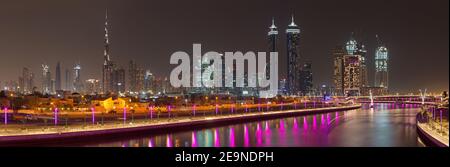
x: 168, y: 109
x: 217, y: 109
x: 56, y: 116
x: 151, y: 111
x: 6, y: 115
x: 124, y: 115
x: 93, y: 115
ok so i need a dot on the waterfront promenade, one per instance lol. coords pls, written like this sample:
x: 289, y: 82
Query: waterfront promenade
x: 78, y: 131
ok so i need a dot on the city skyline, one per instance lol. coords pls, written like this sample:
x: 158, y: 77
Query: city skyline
x: 136, y: 38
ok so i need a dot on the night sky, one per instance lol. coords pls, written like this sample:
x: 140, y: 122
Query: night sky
x: 149, y: 31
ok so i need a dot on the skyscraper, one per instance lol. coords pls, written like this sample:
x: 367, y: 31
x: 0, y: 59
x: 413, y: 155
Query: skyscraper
x: 135, y: 77
x: 361, y: 50
x: 68, y: 82
x: 293, y: 58
x: 338, y: 74
x: 381, y: 66
x: 91, y: 86
x: 272, y: 35
x: 58, y: 76
x: 306, y: 78
x: 77, y: 83
x: 118, y: 81
x: 355, y: 48
x: 46, y: 80
x: 26, y: 82
x: 108, y: 65
x: 352, y: 75
x: 350, y: 70
x: 149, y: 82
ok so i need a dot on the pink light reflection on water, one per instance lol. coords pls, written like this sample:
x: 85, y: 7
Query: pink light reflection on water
x: 246, y: 136
x: 267, y: 132
x: 314, y: 122
x: 232, y: 137
x: 328, y: 118
x: 295, y: 124
x: 282, y: 128
x: 150, y: 142
x: 194, y: 140
x: 258, y: 134
x: 322, y: 119
x: 337, y: 118
x: 282, y: 132
x: 267, y: 128
x: 305, y: 124
x: 169, y: 141
x: 216, y: 138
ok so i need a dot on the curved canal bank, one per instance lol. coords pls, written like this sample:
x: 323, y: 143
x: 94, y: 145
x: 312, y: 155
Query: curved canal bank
x: 385, y: 125
x: 53, y: 138
x: 430, y: 137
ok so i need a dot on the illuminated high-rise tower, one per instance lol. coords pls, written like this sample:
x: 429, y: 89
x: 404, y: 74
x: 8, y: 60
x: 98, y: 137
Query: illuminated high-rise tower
x: 364, y: 75
x: 136, y: 77
x: 77, y: 83
x: 351, y: 45
x: 338, y: 73
x: 108, y: 65
x: 293, y: 58
x: 272, y: 35
x: 46, y: 79
x: 381, y: 66
x: 58, y: 76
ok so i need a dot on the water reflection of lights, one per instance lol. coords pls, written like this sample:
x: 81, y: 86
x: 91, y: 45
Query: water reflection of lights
x: 194, y: 140
x: 232, y: 138
x: 216, y: 138
x: 285, y: 131
x: 150, y: 142
x: 246, y: 137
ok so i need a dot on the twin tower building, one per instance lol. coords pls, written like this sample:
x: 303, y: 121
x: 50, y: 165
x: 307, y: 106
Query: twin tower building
x: 299, y: 76
x: 350, y: 66
x: 350, y: 70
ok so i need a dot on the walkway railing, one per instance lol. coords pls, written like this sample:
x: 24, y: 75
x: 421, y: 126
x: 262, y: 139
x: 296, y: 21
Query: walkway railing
x: 435, y: 123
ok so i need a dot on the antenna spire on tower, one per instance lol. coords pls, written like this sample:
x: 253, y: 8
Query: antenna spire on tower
x: 292, y: 20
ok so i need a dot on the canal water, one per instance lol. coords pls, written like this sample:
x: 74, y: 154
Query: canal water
x: 385, y: 125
